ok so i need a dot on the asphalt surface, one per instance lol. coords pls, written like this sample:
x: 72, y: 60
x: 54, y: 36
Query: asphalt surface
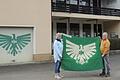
x: 45, y: 71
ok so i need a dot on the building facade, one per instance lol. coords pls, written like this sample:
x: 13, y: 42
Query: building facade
x: 25, y: 30
x: 28, y: 27
x: 89, y: 17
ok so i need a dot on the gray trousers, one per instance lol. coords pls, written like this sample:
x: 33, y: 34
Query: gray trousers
x: 106, y: 64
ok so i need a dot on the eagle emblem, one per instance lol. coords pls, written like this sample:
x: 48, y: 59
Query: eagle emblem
x: 80, y: 53
x: 14, y: 44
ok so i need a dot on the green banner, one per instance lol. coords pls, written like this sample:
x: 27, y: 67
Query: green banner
x: 81, y: 54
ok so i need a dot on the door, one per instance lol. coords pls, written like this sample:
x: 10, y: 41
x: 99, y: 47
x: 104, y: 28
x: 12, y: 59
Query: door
x: 16, y: 44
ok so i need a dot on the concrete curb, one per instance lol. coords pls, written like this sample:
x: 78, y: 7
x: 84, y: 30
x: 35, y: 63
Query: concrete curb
x: 114, y: 52
x: 24, y: 63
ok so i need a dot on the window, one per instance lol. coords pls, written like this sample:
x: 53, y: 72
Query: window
x: 60, y: 0
x: 86, y: 30
x: 84, y: 2
x: 74, y: 29
x: 62, y: 27
x: 98, y: 30
x: 73, y: 2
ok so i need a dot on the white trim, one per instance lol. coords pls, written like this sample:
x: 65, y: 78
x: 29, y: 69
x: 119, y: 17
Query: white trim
x: 68, y: 27
x: 54, y: 30
x: 24, y: 26
x: 34, y: 40
x: 92, y: 30
x: 81, y: 29
x: 17, y: 26
x: 86, y: 16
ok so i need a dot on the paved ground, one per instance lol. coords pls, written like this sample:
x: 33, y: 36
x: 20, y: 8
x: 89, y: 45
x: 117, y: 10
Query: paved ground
x: 45, y: 72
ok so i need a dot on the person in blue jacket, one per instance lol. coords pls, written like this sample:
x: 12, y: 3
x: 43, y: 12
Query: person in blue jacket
x: 58, y: 50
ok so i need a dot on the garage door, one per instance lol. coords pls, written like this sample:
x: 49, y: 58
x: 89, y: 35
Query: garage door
x: 16, y: 44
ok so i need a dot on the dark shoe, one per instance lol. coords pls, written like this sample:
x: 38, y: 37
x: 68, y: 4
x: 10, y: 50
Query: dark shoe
x: 107, y: 75
x: 102, y: 74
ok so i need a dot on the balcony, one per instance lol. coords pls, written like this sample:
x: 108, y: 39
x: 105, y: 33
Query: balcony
x: 71, y: 8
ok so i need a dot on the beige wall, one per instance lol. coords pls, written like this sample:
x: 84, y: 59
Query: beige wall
x: 112, y: 26
x: 30, y: 12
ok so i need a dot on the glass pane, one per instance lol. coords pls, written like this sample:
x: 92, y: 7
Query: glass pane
x: 67, y: 1
x: 60, y: 0
x: 73, y: 2
x: 86, y: 30
x: 53, y: 0
x: 62, y: 28
x: 98, y: 30
x: 74, y: 29
x: 84, y: 2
